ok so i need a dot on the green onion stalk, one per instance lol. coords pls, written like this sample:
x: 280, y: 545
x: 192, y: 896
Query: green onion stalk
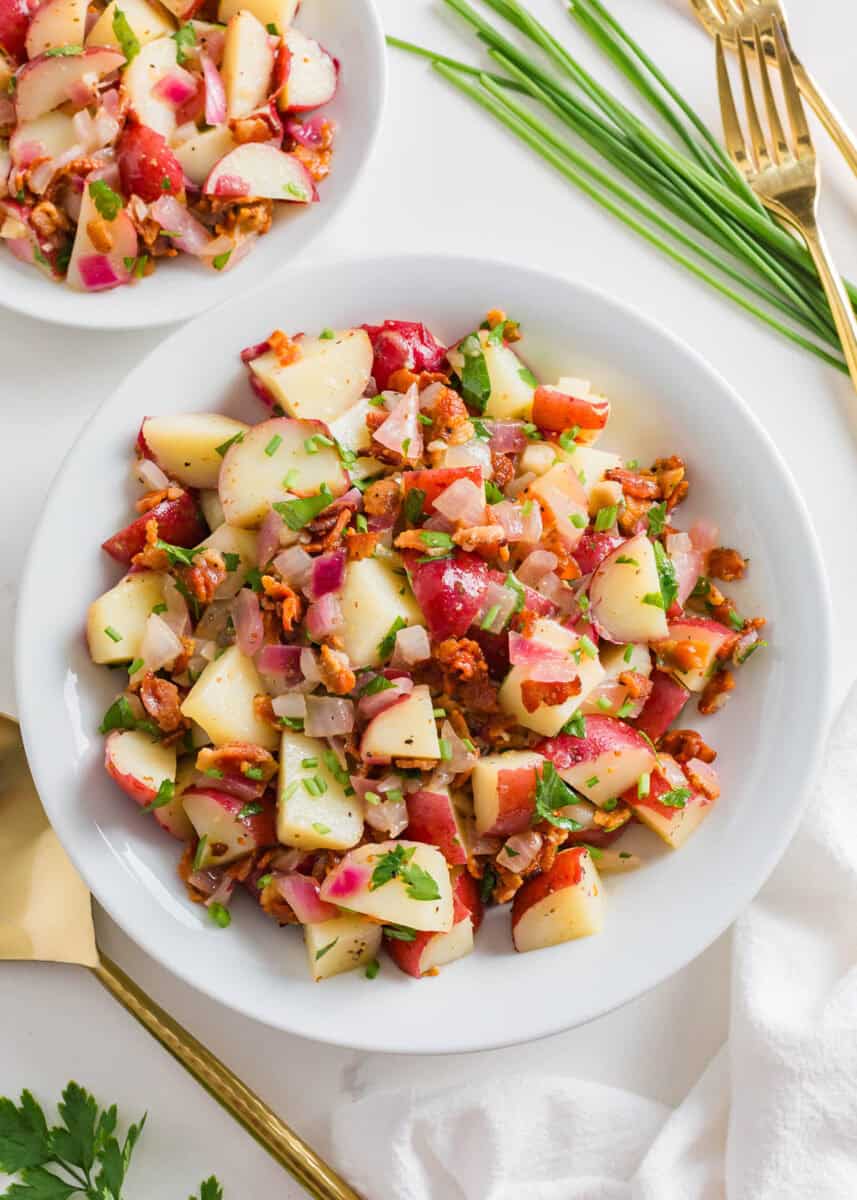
x: 688, y: 200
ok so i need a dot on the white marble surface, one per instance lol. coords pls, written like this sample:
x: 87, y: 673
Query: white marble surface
x: 446, y: 178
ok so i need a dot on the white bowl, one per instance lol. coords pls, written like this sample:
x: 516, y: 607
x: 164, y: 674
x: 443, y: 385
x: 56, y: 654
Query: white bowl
x: 666, y: 400
x: 181, y: 288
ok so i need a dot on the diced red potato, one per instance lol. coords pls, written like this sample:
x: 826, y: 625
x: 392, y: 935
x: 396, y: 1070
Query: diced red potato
x: 183, y: 10
x: 46, y: 82
x: 432, y: 818
x: 611, y: 695
x: 180, y: 523
x: 185, y: 445
x: 511, y: 396
x: 559, y: 905
x: 216, y: 816
x: 548, y: 719
x: 699, y: 639
x: 116, y: 621
x: 625, y: 594
x: 90, y: 269
x: 604, y: 763
x: 666, y: 700
x: 171, y: 816
x: 326, y: 378
x: 140, y: 79
x: 373, y: 598
x: 450, y: 591
x: 593, y: 548
x: 230, y: 540
x: 254, y: 470
x: 54, y: 132
x: 429, y: 951
x: 341, y: 944
x: 555, y: 410
x: 279, y: 13
x: 504, y: 791
x: 307, y: 817
x: 260, y: 171
x: 465, y: 889
x: 407, y: 729
x: 148, y: 167
x: 199, y: 154
x: 146, y: 21
x: 437, y: 480
x: 138, y: 763
x: 311, y: 76
x: 56, y: 23
x: 222, y: 702
x: 301, y: 892
x: 350, y: 886
x: 403, y: 344
x: 561, y: 495
x: 248, y: 62
x: 14, y: 21
x: 591, y: 465
x: 675, y: 822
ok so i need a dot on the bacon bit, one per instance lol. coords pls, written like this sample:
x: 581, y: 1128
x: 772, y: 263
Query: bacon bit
x: 404, y: 379
x: 360, y: 545
x: 675, y: 499
x: 637, y: 685
x: 450, y: 419
x: 335, y: 671
x: 252, y: 128
x: 99, y: 234
x: 48, y: 220
x: 716, y: 692
x: 241, y: 216
x: 497, y: 317
x: 567, y: 567
x: 285, y: 350
x: 684, y: 744
x: 316, y: 160
x: 150, y: 556
x: 182, y: 660
x: 681, y: 655
x: 237, y: 757
x: 413, y: 764
x: 205, y: 576
x: 333, y: 536
x: 702, y: 783
x: 641, y: 485
x: 162, y: 702
x: 535, y: 692
x: 383, y: 498
x: 632, y: 515
x: 483, y: 539
x: 153, y: 499
x: 508, y: 883
x: 610, y: 821
x: 286, y: 601
x: 726, y: 564
x: 502, y: 469
x: 264, y: 710
x: 411, y: 539
x: 669, y: 472
x: 273, y: 903
x: 461, y: 659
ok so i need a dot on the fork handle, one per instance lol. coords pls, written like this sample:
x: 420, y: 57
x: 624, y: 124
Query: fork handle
x: 827, y: 114
x: 840, y: 304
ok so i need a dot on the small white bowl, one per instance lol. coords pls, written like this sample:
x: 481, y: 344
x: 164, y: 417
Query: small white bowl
x: 666, y: 400
x: 180, y: 288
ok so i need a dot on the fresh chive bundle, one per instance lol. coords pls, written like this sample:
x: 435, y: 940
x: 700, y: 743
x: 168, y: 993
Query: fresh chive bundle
x: 679, y: 194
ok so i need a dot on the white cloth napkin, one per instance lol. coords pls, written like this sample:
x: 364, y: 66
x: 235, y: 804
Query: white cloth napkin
x: 774, y: 1117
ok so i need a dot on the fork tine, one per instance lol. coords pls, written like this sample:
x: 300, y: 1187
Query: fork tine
x: 757, y: 134
x: 781, y: 152
x: 731, y: 125
x: 794, y: 104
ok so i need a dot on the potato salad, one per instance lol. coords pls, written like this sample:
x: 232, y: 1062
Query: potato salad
x: 139, y: 130
x: 411, y: 645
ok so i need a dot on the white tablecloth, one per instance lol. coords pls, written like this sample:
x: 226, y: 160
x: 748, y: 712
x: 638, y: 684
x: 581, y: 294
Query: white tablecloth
x: 444, y: 177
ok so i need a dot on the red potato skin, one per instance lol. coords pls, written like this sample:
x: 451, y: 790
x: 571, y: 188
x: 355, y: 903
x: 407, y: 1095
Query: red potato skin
x: 129, y: 784
x: 658, y: 786
x: 407, y: 955
x: 146, y: 162
x: 593, y: 548
x: 449, y: 591
x: 14, y: 19
x: 261, y: 827
x: 433, y: 482
x: 516, y: 794
x: 603, y: 734
x: 400, y: 344
x: 431, y: 819
x: 666, y: 700
x: 566, y: 872
x: 466, y: 890
x: 179, y: 522
x: 555, y: 411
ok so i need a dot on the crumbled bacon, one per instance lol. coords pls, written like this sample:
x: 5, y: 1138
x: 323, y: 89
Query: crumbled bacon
x: 162, y: 702
x: 48, y: 220
x: 535, y: 692
x: 611, y: 821
x: 461, y: 659
x: 412, y: 539
x: 334, y: 535
x: 151, y: 557
x: 285, y: 600
x: 237, y: 757
x: 360, y: 545
x: 383, y: 498
x: 404, y: 379
x: 641, y: 485
x: 637, y: 685
x: 205, y: 576
x: 684, y: 744
x: 450, y: 418
x: 716, y: 692
x: 632, y: 515
x: 670, y: 473
x: 263, y: 708
x: 567, y: 567
x: 680, y: 655
x: 98, y: 232
x: 153, y: 499
x: 255, y: 127
x: 726, y: 564
x: 335, y: 671
x: 284, y: 349
x: 273, y: 903
x: 502, y: 469
x: 481, y: 539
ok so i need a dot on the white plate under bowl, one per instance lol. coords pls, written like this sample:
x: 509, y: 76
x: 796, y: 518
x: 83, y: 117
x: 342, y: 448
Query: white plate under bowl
x: 181, y: 288
x: 666, y: 400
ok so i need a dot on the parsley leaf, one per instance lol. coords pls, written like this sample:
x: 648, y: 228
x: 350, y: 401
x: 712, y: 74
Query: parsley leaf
x: 64, y: 51
x: 657, y: 518
x: 184, y: 38
x: 527, y: 376
x: 552, y: 794
x: 120, y: 715
x: 165, y: 794
x: 124, y: 34
x: 475, y: 380
x: 24, y: 1138
x: 388, y: 641
x: 107, y: 202
x: 414, y: 501
x: 576, y: 727
x: 666, y: 574
x: 396, y: 864
x: 487, y: 883
x: 493, y: 494
x: 676, y: 798
x: 179, y: 556
x: 298, y: 513
x: 210, y: 1190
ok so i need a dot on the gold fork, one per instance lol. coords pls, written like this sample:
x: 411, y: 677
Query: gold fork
x: 734, y: 21
x: 785, y: 178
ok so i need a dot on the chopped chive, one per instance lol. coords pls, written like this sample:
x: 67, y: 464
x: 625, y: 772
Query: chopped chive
x: 112, y: 634
x: 490, y: 617
x: 220, y: 914
x: 200, y: 852
x: 578, y: 520
x: 445, y: 749
x: 644, y: 784
x: 274, y: 444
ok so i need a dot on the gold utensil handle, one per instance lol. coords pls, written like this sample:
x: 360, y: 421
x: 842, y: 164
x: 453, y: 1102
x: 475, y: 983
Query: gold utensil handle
x: 840, y: 305
x: 311, y: 1172
x: 827, y: 114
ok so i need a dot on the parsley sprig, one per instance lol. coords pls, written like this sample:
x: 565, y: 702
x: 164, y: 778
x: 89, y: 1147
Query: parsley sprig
x: 553, y: 794
x: 396, y: 864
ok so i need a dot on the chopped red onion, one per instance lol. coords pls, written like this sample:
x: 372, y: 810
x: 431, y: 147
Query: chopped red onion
x: 233, y: 784
x: 160, y: 645
x: 552, y: 670
x: 402, y: 426
x: 485, y: 844
x: 208, y: 882
x: 151, y: 475
x: 369, y: 706
x: 687, y: 560
x: 535, y: 566
x: 463, y: 502
x: 176, y: 87
x: 170, y: 213
x: 707, y: 776
x: 461, y: 759
x: 294, y: 565
x: 215, y: 95
x: 309, y: 665
x: 475, y: 453
x: 533, y: 526
x: 582, y: 812
x: 390, y: 817
x: 301, y: 892
x: 177, y: 615
x: 508, y: 437
x: 280, y: 660
x: 705, y: 535
x: 97, y: 273
x: 309, y: 133
x: 324, y: 617
x: 292, y: 705
x: 520, y: 851
x: 328, y: 574
x: 524, y: 651
x: 212, y: 622
x: 249, y: 353
x: 552, y: 587
x: 249, y: 629
x: 499, y: 603
x: 520, y: 484
x: 412, y: 646
x: 511, y: 518
x: 268, y: 540
x: 328, y: 716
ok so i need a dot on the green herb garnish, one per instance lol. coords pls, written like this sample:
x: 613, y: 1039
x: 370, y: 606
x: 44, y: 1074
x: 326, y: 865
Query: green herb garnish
x: 475, y: 380
x: 414, y: 503
x: 107, y: 202
x: 396, y: 864
x: 552, y: 794
x: 298, y: 513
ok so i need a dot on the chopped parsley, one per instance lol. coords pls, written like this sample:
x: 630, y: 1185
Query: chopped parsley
x: 166, y: 185
x: 231, y: 561
x: 327, y: 335
x: 125, y: 36
x: 321, y: 953
x: 666, y: 575
x: 250, y: 810
x: 528, y: 377
x: 164, y: 795
x: 378, y: 684
x: 396, y: 864
x: 107, y: 202
x: 298, y: 513
x: 531, y: 431
x: 568, y: 439
x: 253, y: 579
x: 676, y: 798
x: 552, y: 794
x: 492, y: 493
x: 220, y: 260
x: 184, y: 38
x: 400, y: 933
x: 475, y: 380
x: 481, y: 430
x: 274, y: 32
x: 487, y: 883
x: 120, y: 715
x: 657, y: 518
x: 414, y: 502
x: 626, y: 560
x: 735, y: 620
x: 388, y: 641
x: 179, y: 556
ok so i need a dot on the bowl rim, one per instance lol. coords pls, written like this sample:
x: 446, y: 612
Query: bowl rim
x: 103, y: 320
x: 28, y: 699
